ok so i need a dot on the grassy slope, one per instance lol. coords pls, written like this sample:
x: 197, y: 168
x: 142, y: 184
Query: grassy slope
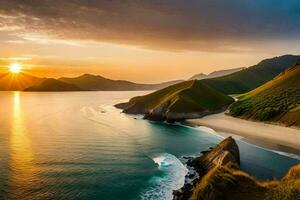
x: 186, y: 97
x: 252, y: 77
x: 278, y: 100
x: 228, y: 183
x: 53, y: 85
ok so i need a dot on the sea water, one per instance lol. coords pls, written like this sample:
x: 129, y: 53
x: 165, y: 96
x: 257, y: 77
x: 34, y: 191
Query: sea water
x: 76, y: 145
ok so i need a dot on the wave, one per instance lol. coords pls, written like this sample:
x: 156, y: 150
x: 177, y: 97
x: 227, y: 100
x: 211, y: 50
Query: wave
x: 171, y: 178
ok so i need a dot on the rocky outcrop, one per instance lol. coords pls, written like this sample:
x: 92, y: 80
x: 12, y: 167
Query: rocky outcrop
x: 225, y: 153
x: 216, y: 175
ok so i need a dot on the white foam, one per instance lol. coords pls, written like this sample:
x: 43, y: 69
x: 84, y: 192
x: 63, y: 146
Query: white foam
x: 161, y: 187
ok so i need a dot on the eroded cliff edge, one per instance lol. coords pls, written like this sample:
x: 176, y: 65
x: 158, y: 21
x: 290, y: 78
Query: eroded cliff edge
x: 216, y: 175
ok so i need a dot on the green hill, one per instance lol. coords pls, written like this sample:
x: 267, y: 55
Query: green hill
x: 53, y: 85
x: 94, y: 82
x: 190, y: 99
x: 276, y: 101
x: 252, y: 77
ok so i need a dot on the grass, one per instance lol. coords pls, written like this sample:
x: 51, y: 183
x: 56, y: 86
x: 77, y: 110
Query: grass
x: 226, y: 183
x: 252, y: 77
x: 278, y: 100
x: 187, y: 97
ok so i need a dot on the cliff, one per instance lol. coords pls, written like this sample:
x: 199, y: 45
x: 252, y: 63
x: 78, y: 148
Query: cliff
x: 216, y: 175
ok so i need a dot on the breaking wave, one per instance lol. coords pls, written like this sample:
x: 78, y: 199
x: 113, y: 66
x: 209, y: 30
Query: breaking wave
x: 171, y: 177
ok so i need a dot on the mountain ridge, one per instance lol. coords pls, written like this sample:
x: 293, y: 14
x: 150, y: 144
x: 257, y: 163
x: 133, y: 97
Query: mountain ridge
x: 97, y: 82
x: 51, y: 84
x: 217, y: 73
x: 254, y: 76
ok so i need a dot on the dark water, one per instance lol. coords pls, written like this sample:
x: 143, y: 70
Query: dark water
x: 78, y: 146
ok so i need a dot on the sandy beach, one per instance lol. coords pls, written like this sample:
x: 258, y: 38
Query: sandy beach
x: 267, y: 135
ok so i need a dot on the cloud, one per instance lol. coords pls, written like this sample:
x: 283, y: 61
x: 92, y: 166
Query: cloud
x: 205, y: 25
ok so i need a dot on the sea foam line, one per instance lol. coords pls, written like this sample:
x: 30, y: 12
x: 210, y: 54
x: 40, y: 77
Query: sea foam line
x: 161, y: 186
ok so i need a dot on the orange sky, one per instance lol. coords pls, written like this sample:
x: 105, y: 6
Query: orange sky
x: 144, y: 41
x: 58, y: 58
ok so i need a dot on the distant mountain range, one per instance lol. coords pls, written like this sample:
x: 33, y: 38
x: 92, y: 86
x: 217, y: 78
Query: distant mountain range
x: 237, y: 81
x: 18, y: 82
x: 53, y: 85
x: 278, y: 100
x: 94, y: 82
x: 216, y: 73
x: 197, y: 98
x: 86, y: 82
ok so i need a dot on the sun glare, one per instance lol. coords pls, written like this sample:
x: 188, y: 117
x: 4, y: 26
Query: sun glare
x: 15, y: 68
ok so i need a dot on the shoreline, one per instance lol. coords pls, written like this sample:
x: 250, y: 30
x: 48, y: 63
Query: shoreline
x: 274, y: 137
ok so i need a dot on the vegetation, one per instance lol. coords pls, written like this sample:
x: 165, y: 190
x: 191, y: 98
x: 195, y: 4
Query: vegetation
x: 277, y: 101
x: 53, y: 85
x: 184, y: 100
x: 252, y: 77
x: 227, y: 183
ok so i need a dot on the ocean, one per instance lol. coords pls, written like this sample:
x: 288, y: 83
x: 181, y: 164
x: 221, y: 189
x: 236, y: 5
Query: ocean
x: 76, y: 145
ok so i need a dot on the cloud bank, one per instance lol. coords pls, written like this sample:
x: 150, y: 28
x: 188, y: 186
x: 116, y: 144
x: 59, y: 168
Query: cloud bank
x: 204, y: 25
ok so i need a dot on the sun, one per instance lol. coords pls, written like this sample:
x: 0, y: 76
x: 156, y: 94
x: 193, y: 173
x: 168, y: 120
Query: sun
x: 15, y: 68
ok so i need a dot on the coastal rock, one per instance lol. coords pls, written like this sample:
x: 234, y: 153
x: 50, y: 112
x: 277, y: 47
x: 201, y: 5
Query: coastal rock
x: 225, y: 153
x: 293, y: 173
x: 218, y: 177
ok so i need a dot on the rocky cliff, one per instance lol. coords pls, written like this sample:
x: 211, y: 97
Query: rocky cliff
x: 215, y: 175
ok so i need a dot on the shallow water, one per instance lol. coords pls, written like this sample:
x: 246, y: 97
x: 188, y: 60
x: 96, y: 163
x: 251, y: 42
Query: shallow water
x: 76, y: 145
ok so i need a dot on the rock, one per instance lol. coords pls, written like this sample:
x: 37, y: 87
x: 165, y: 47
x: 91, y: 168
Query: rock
x: 121, y: 105
x: 226, y: 152
x: 293, y: 173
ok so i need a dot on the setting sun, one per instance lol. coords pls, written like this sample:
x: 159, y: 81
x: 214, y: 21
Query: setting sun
x: 15, y: 68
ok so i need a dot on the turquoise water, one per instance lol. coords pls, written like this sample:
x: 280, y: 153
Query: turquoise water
x: 76, y: 145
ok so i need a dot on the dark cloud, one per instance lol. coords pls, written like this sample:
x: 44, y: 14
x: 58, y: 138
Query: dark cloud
x: 210, y: 25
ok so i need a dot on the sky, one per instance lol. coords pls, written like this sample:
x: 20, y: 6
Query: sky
x: 144, y: 41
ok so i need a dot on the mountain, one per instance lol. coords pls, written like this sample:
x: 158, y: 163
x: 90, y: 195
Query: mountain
x: 190, y: 99
x: 53, y: 85
x: 198, y: 76
x: 93, y: 82
x: 216, y: 74
x: 252, y: 77
x: 277, y: 101
x: 18, y: 82
x: 217, y: 175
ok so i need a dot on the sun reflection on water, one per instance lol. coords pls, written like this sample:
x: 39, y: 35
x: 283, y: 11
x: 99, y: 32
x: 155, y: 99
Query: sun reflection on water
x: 23, y: 171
